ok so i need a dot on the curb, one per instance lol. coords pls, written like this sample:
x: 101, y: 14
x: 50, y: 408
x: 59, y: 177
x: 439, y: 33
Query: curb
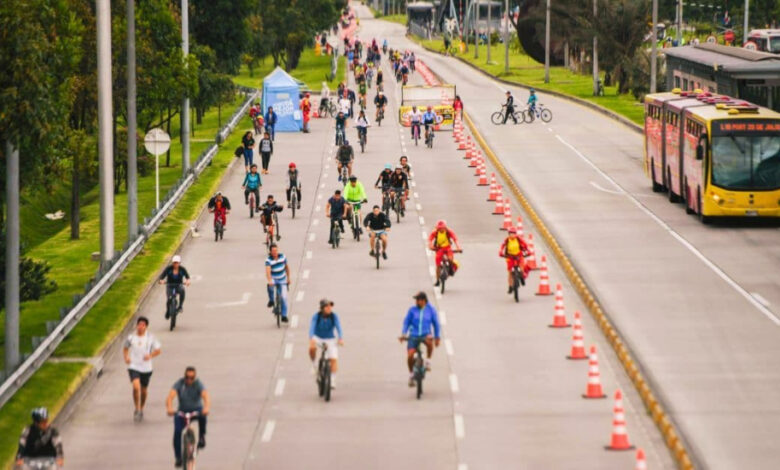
x: 588, y: 104
x: 673, y: 439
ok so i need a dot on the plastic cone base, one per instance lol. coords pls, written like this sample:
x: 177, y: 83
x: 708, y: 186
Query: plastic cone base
x: 540, y: 293
x: 577, y: 358
x: 630, y: 447
x: 567, y: 325
x: 593, y: 397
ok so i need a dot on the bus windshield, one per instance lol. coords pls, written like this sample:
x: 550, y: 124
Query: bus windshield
x: 774, y: 44
x: 746, y: 161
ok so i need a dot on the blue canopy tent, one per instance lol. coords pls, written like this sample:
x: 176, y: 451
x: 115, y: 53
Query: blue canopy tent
x: 280, y: 91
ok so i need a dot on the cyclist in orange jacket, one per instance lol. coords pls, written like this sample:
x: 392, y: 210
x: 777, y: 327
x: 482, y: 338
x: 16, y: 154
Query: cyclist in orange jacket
x: 513, y: 248
x: 440, y: 241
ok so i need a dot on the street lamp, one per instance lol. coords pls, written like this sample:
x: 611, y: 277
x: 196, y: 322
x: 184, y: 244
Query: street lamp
x: 547, y: 45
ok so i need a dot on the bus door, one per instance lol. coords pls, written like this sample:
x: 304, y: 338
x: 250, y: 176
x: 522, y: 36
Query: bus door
x: 694, y: 178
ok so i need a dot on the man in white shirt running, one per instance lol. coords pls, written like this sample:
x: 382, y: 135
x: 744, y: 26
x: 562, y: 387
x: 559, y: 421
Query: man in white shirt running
x: 139, y: 349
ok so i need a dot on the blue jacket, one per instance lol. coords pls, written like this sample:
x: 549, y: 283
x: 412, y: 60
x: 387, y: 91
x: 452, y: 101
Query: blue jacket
x: 252, y: 181
x: 270, y: 119
x: 418, y: 323
x: 322, y: 327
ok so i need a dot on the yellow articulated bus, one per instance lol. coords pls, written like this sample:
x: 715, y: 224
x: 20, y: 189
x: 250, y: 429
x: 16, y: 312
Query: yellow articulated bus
x: 718, y: 155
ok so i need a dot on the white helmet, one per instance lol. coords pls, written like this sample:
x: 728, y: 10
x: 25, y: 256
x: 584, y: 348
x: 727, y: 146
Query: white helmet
x: 176, y: 259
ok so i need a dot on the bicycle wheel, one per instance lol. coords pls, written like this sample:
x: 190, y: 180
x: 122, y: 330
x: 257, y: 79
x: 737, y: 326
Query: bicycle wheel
x: 188, y: 449
x: 362, y: 146
x: 293, y: 202
x: 216, y: 233
x: 278, y: 310
x: 327, y: 380
x: 546, y: 115
x: 251, y: 207
x: 516, y: 286
x: 173, y: 310
x: 497, y: 117
x: 377, y: 247
x: 221, y: 232
x: 321, y: 377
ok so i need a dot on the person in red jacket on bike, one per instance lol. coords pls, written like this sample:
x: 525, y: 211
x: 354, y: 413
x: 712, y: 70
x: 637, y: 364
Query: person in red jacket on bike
x: 220, y: 207
x: 440, y: 241
x: 513, y: 249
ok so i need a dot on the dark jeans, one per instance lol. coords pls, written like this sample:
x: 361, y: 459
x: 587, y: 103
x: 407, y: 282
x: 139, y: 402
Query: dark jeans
x: 170, y: 289
x: 178, y: 427
x: 297, y: 193
x: 256, y: 191
x: 335, y: 219
x: 510, y: 112
x: 270, y: 130
x: 266, y: 157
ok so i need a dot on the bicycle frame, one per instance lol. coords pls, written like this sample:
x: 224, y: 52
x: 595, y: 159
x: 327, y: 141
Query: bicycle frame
x: 323, y: 373
x: 189, y: 444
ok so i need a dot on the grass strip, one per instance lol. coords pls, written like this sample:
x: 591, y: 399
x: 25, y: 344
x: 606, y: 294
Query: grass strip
x: 312, y: 70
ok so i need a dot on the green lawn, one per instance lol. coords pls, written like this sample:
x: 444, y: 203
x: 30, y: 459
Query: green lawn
x: 70, y: 259
x: 312, y: 70
x: 526, y: 71
x: 400, y: 19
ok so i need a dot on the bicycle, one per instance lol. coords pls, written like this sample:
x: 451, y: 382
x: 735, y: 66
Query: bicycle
x: 344, y: 173
x: 387, y: 202
x: 335, y: 233
x: 429, y: 138
x: 328, y: 108
x: 380, y: 114
x: 324, y: 373
x: 499, y: 116
x: 418, y: 369
x: 378, y: 246
x: 362, y: 138
x: 340, y: 137
x: 189, y: 443
x: 356, y: 219
x: 277, y: 308
x: 269, y: 232
x: 445, y: 271
x: 541, y: 112
x: 415, y: 132
x: 398, y: 205
x: 294, y: 199
x: 172, y: 306
x: 252, y: 204
x: 518, y: 279
x: 257, y: 126
x: 219, y: 228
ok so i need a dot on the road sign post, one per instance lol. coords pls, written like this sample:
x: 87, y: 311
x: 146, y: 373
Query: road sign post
x: 157, y: 142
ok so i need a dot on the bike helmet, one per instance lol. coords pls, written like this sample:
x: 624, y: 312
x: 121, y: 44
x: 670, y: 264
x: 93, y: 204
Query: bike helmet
x: 176, y: 259
x: 441, y: 224
x: 512, y: 231
x: 388, y: 166
x: 353, y: 178
x: 40, y: 414
x: 219, y: 193
x: 430, y: 108
x: 292, y: 165
x: 399, y: 167
x: 532, y: 91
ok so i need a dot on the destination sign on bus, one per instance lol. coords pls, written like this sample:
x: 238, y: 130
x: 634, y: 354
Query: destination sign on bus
x: 744, y: 126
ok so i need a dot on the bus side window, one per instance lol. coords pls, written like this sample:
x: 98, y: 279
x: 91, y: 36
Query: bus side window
x: 701, y: 147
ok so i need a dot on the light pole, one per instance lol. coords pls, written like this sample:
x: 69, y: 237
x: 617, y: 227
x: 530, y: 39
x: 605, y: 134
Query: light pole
x: 185, y: 105
x: 506, y: 36
x: 745, y: 26
x: 595, y: 54
x: 654, y: 50
x: 105, y: 136
x: 476, y: 30
x: 547, y: 44
x: 11, y: 258
x: 132, y: 142
x: 490, y: 7
x: 679, y: 21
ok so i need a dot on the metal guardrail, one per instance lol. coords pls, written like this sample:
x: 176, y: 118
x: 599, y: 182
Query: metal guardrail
x: 44, y: 347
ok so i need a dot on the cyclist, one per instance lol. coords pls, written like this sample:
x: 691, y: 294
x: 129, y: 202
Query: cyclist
x: 407, y: 168
x: 40, y: 440
x: 510, y: 107
x: 139, y: 349
x: 513, y: 248
x: 362, y: 91
x: 293, y: 183
x: 336, y: 210
x: 277, y: 273
x: 429, y: 120
x: 267, y: 211
x: 175, y: 277
x: 380, y: 101
x: 404, y: 70
x: 379, y: 79
x: 362, y: 125
x: 325, y: 328
x: 193, y: 397
x: 399, y: 184
x: 384, y: 46
x: 252, y: 184
x: 345, y: 156
x: 345, y: 104
x: 341, y: 126
x: 412, y: 58
x: 383, y: 181
x: 378, y: 225
x: 355, y: 195
x: 440, y: 241
x: 532, y: 101
x: 417, y: 329
x: 415, y: 118
x: 219, y: 205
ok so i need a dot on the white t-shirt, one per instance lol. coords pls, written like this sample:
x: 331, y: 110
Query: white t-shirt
x: 416, y: 116
x: 139, y: 347
x: 344, y: 103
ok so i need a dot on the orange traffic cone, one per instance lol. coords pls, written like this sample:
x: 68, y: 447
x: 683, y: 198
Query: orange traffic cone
x: 641, y: 462
x: 594, y: 377
x: 559, y: 319
x: 482, y: 175
x: 619, y: 432
x: 531, y: 261
x: 474, y: 160
x: 315, y: 113
x: 507, y: 218
x: 544, y: 280
x: 471, y: 151
x: 577, y: 340
x: 499, y: 210
x: 462, y: 145
x: 520, y: 227
x: 493, y: 194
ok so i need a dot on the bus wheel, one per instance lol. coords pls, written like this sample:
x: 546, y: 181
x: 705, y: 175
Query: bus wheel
x: 687, y: 198
x: 672, y: 197
x: 702, y: 218
x: 657, y: 187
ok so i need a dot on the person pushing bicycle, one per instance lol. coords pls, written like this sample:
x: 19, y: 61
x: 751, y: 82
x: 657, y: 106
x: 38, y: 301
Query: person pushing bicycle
x: 513, y: 249
x: 419, y: 321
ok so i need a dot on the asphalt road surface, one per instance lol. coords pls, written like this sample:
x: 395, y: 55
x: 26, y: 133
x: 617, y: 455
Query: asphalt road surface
x: 501, y: 394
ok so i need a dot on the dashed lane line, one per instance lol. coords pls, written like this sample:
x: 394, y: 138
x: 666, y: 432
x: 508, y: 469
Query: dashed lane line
x: 312, y: 236
x: 309, y: 254
x: 268, y: 431
x: 306, y: 273
x: 299, y: 296
x: 453, y: 383
x: 294, y: 321
x: 442, y: 317
x: 279, y: 390
x: 460, y: 427
x: 288, y: 350
x: 448, y: 347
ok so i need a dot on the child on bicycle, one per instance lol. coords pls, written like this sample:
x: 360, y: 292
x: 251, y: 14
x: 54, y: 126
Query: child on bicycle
x: 267, y: 211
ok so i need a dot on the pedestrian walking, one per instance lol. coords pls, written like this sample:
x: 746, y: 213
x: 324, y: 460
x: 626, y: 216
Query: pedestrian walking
x: 306, y: 110
x: 270, y: 122
x: 266, y: 149
x: 139, y: 349
x: 249, y: 143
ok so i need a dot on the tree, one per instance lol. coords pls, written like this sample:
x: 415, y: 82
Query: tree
x: 213, y: 86
x: 33, y: 278
x: 222, y: 26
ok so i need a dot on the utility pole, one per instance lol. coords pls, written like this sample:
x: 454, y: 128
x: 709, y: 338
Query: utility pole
x: 11, y: 257
x: 745, y: 27
x: 506, y: 36
x: 547, y: 44
x: 476, y: 30
x: 679, y: 21
x: 132, y: 142
x: 595, y: 54
x: 654, y: 50
x: 185, y: 105
x: 490, y: 8
x: 105, y: 133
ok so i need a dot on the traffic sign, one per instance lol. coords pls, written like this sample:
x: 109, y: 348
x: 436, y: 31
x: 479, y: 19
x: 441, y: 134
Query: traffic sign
x: 157, y: 142
x: 729, y: 36
x: 751, y: 46
x: 712, y: 40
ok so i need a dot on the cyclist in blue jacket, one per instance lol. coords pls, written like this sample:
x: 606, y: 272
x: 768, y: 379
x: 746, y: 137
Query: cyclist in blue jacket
x: 252, y: 184
x: 417, y: 328
x: 325, y: 328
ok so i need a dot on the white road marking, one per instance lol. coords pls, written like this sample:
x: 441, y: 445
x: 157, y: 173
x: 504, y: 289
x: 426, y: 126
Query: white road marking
x: 414, y: 185
x: 268, y: 431
x: 309, y: 254
x: 442, y: 317
x: 288, y: 349
x: 315, y: 221
x: 760, y: 299
x: 299, y: 296
x: 463, y: 466
x: 196, y: 278
x: 432, y: 270
x: 719, y: 272
x: 330, y: 158
x: 437, y: 294
x: 422, y: 220
x: 244, y: 300
x: 318, y: 208
x: 306, y: 273
x: 312, y: 236
x: 460, y: 427
x: 549, y: 129
x: 322, y: 186
x: 294, y: 321
x: 597, y: 186
x: 448, y: 347
x: 324, y: 175
x: 319, y: 196
x: 453, y: 384
x: 280, y: 387
x: 327, y: 166
x: 416, y: 195
x: 424, y: 235
x: 419, y: 207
